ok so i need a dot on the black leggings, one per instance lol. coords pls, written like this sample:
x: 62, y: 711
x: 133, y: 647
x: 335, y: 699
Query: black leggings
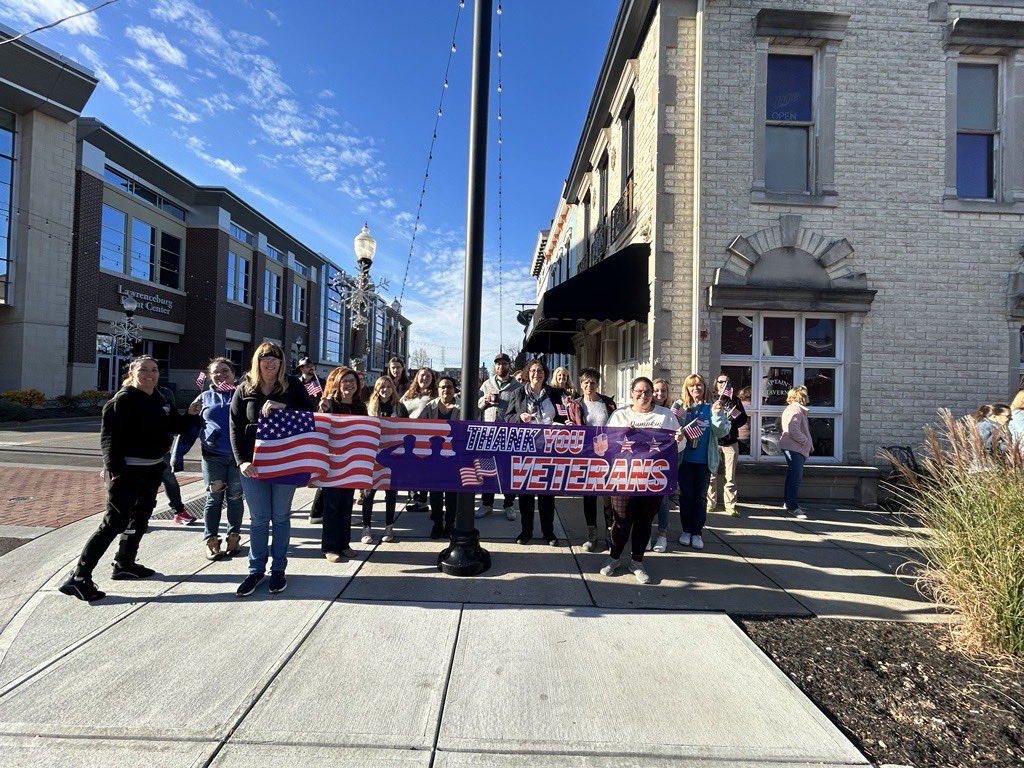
x: 390, y: 498
x: 590, y: 511
x: 131, y: 497
x: 546, y: 508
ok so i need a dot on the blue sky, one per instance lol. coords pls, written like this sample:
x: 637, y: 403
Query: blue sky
x: 319, y: 113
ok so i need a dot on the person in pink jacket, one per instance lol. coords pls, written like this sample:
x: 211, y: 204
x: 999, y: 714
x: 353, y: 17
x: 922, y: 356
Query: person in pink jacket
x: 796, y: 444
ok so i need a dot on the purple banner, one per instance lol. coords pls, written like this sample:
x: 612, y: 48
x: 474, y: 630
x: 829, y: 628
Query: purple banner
x: 484, y: 457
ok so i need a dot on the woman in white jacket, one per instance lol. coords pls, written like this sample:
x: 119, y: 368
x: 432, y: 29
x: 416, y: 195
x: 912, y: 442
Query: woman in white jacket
x: 796, y: 444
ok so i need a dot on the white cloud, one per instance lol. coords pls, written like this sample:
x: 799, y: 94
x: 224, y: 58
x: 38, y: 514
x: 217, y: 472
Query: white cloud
x: 218, y: 102
x: 285, y: 124
x: 35, y: 13
x: 273, y: 16
x: 246, y: 41
x: 326, y: 93
x: 180, y: 113
x: 198, y: 147
x: 157, y: 82
x: 90, y: 57
x: 156, y: 43
x: 138, y: 98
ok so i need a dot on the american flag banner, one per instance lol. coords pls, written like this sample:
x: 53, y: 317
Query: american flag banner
x: 313, y: 387
x: 318, y: 448
x: 694, y: 429
x: 733, y: 412
x: 201, y: 379
x: 481, y: 468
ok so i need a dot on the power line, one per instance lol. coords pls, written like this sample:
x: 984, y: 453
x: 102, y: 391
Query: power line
x: 430, y: 152
x: 58, y: 21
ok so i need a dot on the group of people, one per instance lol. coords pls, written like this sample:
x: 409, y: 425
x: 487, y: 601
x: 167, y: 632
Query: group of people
x: 140, y: 420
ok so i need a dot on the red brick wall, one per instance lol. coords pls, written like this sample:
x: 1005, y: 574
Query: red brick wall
x: 85, y: 268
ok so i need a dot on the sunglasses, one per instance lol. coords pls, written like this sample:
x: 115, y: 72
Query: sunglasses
x: 265, y: 355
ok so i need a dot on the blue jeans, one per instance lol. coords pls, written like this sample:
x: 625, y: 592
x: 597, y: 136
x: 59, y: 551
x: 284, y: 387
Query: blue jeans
x: 663, y: 513
x: 794, y: 474
x: 268, y: 502
x: 222, y: 469
x: 171, y: 487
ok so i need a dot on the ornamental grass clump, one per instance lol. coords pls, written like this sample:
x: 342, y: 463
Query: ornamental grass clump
x: 971, y: 500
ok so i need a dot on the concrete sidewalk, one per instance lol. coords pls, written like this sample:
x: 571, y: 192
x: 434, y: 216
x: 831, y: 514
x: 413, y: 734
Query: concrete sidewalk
x: 382, y: 661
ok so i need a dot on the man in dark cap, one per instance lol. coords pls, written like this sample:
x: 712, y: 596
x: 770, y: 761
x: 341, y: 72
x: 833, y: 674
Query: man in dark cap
x: 494, y: 397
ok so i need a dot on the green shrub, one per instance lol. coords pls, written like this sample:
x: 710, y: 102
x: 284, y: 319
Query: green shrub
x: 92, y: 397
x: 25, y: 397
x: 971, y: 501
x: 67, y: 401
x: 11, y: 411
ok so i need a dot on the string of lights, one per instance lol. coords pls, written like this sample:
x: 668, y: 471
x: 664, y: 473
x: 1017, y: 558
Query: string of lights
x: 501, y: 298
x: 430, y: 151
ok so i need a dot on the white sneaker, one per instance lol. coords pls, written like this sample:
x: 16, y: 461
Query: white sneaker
x: 697, y: 541
x: 799, y: 513
x: 511, y: 513
x: 482, y: 511
x: 389, y: 535
x: 684, y: 539
x: 610, y: 567
x: 591, y: 542
x: 367, y: 536
x: 661, y: 545
x: 638, y: 570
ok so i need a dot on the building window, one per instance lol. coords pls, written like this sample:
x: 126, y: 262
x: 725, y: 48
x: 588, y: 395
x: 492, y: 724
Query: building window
x: 113, y: 233
x: 977, y: 130
x: 132, y: 187
x: 627, y: 144
x: 602, y: 191
x: 241, y: 234
x: 332, y: 319
x: 789, y: 124
x: 170, y: 260
x: 275, y: 254
x: 301, y: 269
x: 299, y: 306
x: 271, y: 292
x: 6, y: 199
x: 237, y: 357
x: 143, y: 250
x: 626, y: 361
x: 765, y: 354
x: 239, y: 271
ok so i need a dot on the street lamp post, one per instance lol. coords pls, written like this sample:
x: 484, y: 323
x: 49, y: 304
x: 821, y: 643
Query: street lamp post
x: 465, y: 556
x: 127, y: 332
x: 356, y: 293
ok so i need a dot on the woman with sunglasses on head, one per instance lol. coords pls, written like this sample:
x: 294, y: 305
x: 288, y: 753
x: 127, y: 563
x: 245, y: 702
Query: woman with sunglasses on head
x: 421, y: 391
x: 699, y: 457
x: 633, y: 515
x: 728, y: 446
x: 444, y: 407
x: 594, y: 410
x: 537, y: 403
x: 341, y: 396
x: 384, y: 403
x: 265, y: 387
x: 135, y: 435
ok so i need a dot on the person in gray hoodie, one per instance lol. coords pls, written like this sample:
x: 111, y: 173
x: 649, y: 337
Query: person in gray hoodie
x: 495, y: 394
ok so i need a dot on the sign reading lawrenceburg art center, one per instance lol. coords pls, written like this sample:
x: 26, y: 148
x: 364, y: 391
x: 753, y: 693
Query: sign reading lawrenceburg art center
x: 420, y: 454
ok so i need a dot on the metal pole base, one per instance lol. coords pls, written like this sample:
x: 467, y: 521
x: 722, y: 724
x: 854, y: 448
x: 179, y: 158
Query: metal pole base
x: 465, y: 556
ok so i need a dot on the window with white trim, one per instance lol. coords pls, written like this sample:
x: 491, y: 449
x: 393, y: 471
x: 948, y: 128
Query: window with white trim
x: 626, y: 361
x: 299, y: 306
x: 272, y: 292
x: 765, y: 354
x: 239, y: 274
x: 790, y: 130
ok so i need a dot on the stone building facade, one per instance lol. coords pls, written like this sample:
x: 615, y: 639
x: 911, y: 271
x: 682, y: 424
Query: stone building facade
x: 855, y: 225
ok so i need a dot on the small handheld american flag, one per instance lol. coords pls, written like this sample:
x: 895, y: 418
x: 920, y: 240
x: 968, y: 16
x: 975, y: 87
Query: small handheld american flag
x: 225, y: 386
x: 201, y: 379
x: 313, y: 387
x: 693, y: 430
x: 727, y: 393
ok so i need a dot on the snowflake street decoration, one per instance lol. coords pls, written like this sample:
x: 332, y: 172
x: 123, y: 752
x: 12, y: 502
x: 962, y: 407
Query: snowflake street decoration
x: 127, y: 334
x: 357, y: 293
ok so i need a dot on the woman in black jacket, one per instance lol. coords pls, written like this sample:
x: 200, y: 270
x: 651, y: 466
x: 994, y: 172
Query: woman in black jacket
x: 264, y: 388
x: 538, y: 403
x: 728, y: 446
x: 135, y: 434
x: 341, y: 396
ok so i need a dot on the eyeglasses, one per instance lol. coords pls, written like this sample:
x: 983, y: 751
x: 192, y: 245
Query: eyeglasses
x: 643, y: 393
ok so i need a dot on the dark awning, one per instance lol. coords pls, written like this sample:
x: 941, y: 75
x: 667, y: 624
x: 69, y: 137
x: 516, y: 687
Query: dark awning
x: 614, y: 289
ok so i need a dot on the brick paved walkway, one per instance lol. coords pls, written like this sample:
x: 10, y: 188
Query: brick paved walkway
x: 53, y: 497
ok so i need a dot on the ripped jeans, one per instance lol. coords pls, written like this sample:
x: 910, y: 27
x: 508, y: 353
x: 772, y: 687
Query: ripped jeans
x: 221, y: 475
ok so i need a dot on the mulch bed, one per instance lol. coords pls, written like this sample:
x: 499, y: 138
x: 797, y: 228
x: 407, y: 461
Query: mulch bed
x: 899, y: 691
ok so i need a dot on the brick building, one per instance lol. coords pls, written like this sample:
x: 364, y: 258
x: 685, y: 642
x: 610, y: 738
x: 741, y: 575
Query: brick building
x: 807, y: 193
x: 88, y: 219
